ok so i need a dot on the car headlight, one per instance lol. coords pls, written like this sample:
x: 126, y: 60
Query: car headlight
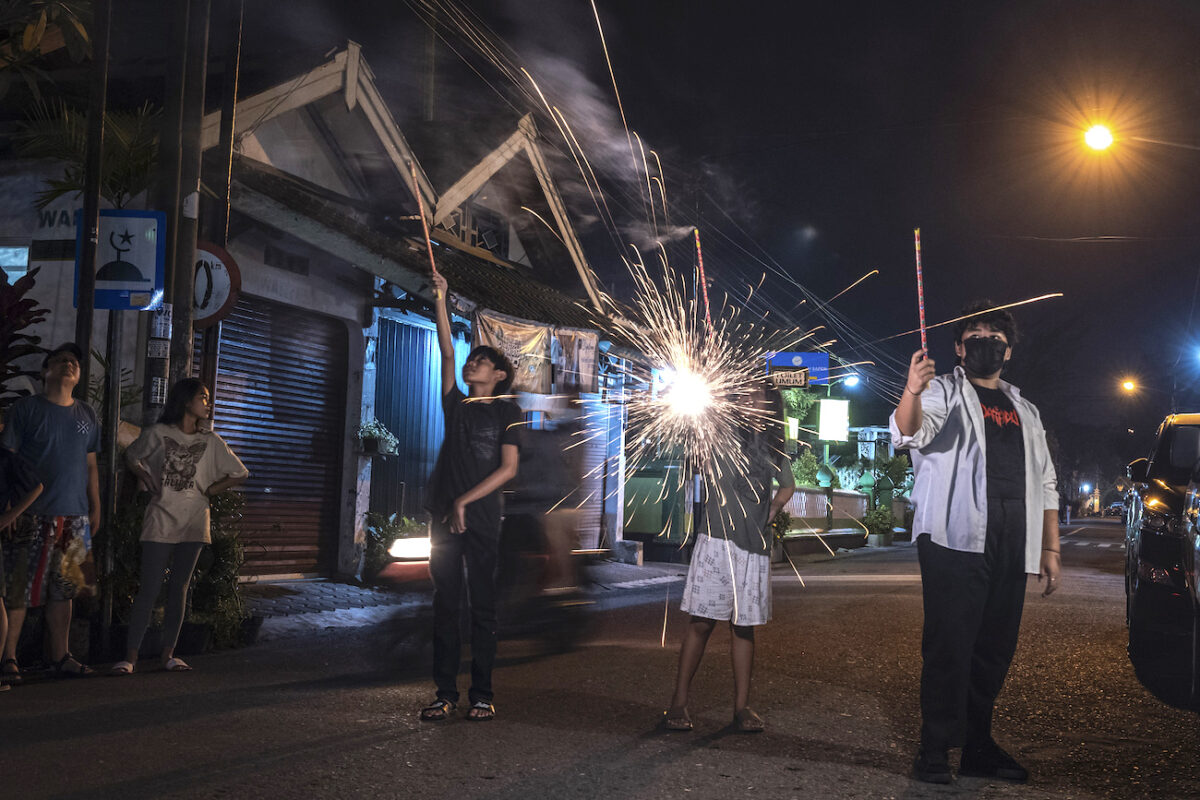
x: 1159, y: 522
x: 410, y: 548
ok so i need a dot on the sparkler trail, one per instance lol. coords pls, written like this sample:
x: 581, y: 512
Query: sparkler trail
x: 1040, y: 297
x: 703, y: 281
x: 851, y: 286
x: 920, y: 292
x: 412, y: 168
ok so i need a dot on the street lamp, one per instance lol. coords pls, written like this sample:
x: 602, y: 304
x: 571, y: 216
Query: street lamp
x: 1129, y: 385
x: 1098, y: 137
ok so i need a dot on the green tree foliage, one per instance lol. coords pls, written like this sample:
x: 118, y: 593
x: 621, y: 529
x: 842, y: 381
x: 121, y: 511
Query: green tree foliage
x: 798, y: 402
x: 31, y: 29
x: 56, y: 131
x: 18, y: 314
x: 804, y: 468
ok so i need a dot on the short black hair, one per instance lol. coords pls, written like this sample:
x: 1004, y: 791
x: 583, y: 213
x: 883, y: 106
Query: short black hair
x: 182, y: 393
x: 999, y: 319
x: 499, y: 361
x: 65, y: 347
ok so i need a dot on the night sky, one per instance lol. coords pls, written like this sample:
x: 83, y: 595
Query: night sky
x: 811, y: 138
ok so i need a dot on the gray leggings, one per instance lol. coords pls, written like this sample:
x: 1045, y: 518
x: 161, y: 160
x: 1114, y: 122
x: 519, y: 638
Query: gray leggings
x: 155, y: 557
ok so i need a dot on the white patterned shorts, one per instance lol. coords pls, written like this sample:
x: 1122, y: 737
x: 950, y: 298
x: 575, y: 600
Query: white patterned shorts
x: 726, y: 582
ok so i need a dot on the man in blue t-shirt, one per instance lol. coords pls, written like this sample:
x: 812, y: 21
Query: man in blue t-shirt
x: 48, y: 553
x: 479, y: 455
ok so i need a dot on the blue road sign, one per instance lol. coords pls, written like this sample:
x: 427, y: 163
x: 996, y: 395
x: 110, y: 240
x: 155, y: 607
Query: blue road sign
x: 817, y: 364
x: 131, y: 257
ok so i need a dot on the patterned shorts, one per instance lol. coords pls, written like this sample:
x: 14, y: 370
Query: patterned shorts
x: 726, y: 582
x: 47, y: 558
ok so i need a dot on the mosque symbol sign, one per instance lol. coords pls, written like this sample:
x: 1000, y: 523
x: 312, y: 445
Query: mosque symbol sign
x: 130, y: 258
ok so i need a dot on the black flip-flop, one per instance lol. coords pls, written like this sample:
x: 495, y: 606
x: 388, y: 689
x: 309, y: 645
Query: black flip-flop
x: 438, y: 710
x: 486, y: 712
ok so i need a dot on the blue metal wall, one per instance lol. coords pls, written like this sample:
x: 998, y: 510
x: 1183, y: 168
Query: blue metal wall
x: 408, y: 402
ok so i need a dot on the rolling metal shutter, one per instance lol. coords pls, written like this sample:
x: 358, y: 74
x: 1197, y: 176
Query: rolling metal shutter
x: 408, y: 403
x: 280, y: 404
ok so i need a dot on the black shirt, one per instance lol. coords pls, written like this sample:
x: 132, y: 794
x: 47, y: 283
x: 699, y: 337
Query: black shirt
x: 475, y: 433
x: 1005, y: 446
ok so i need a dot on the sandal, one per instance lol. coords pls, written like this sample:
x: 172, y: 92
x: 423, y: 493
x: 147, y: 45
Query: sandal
x: 121, y: 668
x: 59, y: 669
x: 176, y: 665
x: 438, y: 710
x: 677, y: 719
x: 746, y: 721
x: 10, y: 676
x: 481, y: 711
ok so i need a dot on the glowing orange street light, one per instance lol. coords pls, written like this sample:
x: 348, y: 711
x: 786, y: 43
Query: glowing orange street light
x: 1129, y: 385
x: 1098, y: 137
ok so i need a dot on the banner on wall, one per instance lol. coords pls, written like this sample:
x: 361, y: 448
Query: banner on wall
x: 526, y: 344
x: 574, y: 353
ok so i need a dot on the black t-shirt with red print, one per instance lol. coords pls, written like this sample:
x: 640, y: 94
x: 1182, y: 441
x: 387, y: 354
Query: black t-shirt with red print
x: 1005, y: 446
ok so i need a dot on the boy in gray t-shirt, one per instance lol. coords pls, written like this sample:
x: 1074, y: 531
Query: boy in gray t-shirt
x: 48, y: 552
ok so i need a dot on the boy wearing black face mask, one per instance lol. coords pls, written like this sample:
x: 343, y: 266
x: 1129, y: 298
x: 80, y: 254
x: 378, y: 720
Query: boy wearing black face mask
x: 986, y: 515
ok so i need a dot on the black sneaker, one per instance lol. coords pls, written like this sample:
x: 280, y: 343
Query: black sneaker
x: 931, y: 767
x: 990, y: 761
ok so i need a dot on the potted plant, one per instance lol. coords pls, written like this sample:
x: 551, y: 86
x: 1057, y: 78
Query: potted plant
x: 375, y: 439
x: 218, y: 608
x: 779, y: 527
x: 879, y: 522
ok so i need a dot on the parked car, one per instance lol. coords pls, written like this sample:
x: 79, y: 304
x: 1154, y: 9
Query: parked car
x: 1160, y: 597
x: 1116, y: 509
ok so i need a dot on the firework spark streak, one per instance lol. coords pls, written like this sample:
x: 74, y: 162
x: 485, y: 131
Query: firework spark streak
x: 424, y: 222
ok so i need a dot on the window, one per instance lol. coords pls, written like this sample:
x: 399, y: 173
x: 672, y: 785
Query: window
x: 14, y: 261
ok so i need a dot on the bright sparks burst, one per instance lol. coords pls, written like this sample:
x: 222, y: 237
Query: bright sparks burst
x: 695, y: 395
x: 1098, y: 137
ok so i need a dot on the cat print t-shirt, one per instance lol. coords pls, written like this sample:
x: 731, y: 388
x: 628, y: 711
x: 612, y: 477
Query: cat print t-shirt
x: 184, y: 465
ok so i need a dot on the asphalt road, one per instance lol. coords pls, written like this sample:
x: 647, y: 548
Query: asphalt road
x: 333, y: 715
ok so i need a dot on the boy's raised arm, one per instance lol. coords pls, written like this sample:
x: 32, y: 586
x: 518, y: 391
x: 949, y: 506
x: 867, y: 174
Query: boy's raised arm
x: 445, y: 341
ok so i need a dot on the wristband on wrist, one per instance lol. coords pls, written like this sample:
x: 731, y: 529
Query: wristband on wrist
x: 910, y: 391
x: 1050, y: 550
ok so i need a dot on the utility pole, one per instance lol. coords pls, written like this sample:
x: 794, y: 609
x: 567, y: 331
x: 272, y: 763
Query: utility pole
x: 157, y: 357
x: 184, y: 265
x: 97, y: 108
x: 219, y: 228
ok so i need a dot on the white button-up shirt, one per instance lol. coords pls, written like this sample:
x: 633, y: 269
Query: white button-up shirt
x: 949, y: 456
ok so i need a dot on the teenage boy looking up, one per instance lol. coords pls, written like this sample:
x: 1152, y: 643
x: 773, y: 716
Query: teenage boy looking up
x: 48, y: 552
x: 986, y: 515
x: 478, y: 456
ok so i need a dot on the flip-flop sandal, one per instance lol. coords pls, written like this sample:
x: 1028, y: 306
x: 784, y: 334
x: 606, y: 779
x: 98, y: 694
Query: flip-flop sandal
x: 677, y: 719
x: 121, y: 668
x: 59, y: 669
x: 438, y: 710
x: 481, y: 712
x: 746, y: 721
x: 177, y: 665
x: 12, y: 676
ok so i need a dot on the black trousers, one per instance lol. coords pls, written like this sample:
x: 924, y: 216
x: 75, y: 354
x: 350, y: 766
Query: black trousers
x: 450, y: 552
x: 973, y: 604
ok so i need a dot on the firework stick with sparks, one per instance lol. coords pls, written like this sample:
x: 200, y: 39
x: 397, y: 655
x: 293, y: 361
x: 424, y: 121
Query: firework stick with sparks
x: 412, y: 168
x: 920, y: 293
x: 703, y: 282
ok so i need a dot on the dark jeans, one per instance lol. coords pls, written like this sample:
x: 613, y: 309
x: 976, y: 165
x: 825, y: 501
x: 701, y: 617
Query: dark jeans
x: 449, y: 553
x: 973, y: 604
